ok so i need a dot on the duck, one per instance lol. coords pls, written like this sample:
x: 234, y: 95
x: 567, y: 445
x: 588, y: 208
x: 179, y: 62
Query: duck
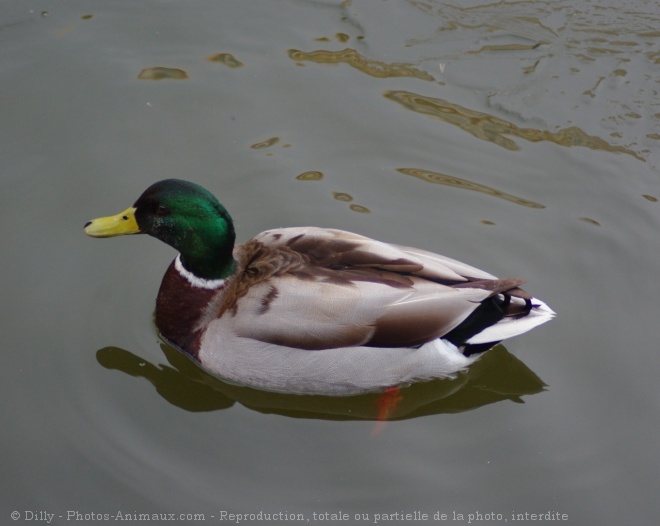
x: 311, y: 310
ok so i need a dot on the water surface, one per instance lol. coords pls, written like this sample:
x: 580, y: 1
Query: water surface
x: 518, y: 137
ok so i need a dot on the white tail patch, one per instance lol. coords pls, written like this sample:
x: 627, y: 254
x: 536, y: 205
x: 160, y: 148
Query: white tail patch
x: 509, y: 327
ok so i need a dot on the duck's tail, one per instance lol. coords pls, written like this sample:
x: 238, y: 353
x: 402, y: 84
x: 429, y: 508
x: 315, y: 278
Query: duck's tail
x: 500, y: 317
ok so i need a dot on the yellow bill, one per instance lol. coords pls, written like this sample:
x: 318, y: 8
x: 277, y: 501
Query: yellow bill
x: 117, y: 225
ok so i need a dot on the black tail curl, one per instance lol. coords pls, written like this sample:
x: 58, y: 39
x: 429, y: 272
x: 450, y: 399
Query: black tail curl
x: 491, y: 311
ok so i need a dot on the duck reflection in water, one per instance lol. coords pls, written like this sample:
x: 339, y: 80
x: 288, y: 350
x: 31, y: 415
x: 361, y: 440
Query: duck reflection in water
x: 496, y: 377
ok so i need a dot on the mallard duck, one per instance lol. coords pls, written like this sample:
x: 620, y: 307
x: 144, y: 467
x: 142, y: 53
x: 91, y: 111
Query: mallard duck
x: 316, y: 310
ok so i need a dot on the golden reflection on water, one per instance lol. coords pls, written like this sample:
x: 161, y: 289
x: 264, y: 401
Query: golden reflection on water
x: 456, y: 182
x: 339, y: 37
x: 225, y: 58
x: 374, y: 68
x: 590, y: 221
x: 342, y: 196
x: 312, y: 175
x: 160, y: 73
x: 493, y: 129
x: 265, y: 144
x: 347, y: 198
x: 505, y: 47
x: 338, y: 196
x: 359, y: 208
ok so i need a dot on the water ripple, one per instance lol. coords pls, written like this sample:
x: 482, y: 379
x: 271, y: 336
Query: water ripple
x: 456, y: 182
x: 493, y: 129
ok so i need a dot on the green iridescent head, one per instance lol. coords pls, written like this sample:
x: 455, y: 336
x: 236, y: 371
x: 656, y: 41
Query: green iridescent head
x: 185, y: 216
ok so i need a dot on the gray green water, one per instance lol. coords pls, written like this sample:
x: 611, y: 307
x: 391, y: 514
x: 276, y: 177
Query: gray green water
x: 519, y: 137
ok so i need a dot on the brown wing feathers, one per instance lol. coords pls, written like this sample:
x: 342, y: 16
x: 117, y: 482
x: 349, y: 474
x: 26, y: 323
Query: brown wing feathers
x: 345, y: 260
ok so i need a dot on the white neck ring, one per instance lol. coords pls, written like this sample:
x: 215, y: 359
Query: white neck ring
x: 195, y: 281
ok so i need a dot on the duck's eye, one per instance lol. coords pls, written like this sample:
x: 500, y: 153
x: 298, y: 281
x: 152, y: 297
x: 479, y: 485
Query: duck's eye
x: 162, y: 210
